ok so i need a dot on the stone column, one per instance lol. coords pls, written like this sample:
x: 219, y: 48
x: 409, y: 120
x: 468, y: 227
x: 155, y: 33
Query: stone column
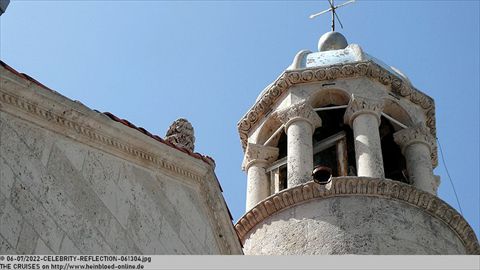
x: 300, y: 122
x: 417, y: 144
x: 363, y: 115
x: 257, y: 158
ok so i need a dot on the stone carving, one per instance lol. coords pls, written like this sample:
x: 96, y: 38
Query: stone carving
x: 360, y: 105
x: 93, y: 135
x: 259, y: 153
x: 361, y: 186
x: 181, y: 134
x: 418, y: 134
x: 299, y: 111
x: 367, y: 68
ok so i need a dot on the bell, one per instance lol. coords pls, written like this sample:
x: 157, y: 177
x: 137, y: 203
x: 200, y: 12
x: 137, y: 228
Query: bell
x: 322, y: 175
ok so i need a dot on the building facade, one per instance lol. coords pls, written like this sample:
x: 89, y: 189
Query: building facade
x: 77, y: 181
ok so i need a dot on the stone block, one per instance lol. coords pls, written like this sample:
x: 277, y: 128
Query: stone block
x: 28, y: 239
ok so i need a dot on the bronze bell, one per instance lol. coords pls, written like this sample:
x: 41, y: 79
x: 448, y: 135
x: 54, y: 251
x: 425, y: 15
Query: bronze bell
x: 322, y: 175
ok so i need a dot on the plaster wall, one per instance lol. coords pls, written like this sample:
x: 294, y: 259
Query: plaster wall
x: 352, y: 225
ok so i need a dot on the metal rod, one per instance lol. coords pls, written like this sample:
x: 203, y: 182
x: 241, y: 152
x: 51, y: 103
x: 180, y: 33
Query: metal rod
x: 330, y: 108
x: 394, y: 120
x: 267, y: 142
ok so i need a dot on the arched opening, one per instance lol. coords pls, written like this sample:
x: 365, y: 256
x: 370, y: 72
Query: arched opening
x: 394, y: 118
x: 273, y: 134
x: 394, y: 163
x: 329, y: 97
x: 333, y: 145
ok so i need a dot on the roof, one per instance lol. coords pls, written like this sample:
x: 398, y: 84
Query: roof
x: 127, y: 123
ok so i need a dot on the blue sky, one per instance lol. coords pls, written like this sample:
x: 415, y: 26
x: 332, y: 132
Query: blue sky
x: 152, y: 62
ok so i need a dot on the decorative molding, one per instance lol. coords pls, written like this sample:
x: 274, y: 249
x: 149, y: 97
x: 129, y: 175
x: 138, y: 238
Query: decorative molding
x: 361, y: 105
x: 97, y: 137
x: 299, y: 111
x: 181, y: 134
x: 93, y: 134
x: 259, y: 153
x: 411, y: 135
x: 367, y: 69
x: 361, y: 186
x: 71, y: 125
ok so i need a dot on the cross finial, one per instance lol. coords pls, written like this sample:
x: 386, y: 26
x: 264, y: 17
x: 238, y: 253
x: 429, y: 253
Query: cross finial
x: 334, y: 14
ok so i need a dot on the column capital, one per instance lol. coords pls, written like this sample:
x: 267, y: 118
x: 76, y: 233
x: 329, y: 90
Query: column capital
x: 299, y: 111
x: 362, y: 105
x: 412, y: 135
x: 257, y: 153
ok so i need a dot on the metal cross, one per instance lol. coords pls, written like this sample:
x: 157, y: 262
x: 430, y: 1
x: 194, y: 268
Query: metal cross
x: 334, y: 14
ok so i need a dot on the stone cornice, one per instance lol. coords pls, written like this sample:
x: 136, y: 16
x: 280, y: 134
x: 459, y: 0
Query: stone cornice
x: 408, y: 136
x: 361, y: 186
x: 72, y: 126
x: 360, y: 105
x: 368, y: 69
x: 296, y: 112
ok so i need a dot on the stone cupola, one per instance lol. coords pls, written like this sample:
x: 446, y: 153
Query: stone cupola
x: 341, y: 109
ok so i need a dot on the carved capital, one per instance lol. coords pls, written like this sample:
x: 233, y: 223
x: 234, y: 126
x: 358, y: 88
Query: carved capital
x: 412, y: 135
x: 257, y: 153
x: 181, y: 134
x: 362, y: 105
x: 300, y: 111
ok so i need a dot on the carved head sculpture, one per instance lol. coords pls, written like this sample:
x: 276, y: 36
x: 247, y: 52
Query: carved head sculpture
x: 181, y: 134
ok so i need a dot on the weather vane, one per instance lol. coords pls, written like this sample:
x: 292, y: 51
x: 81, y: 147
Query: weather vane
x: 334, y: 14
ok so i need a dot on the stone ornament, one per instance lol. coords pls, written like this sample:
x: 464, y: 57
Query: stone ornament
x: 259, y: 153
x: 360, y: 105
x: 181, y: 134
x: 361, y: 186
x: 418, y: 134
x: 299, y: 111
x: 370, y: 69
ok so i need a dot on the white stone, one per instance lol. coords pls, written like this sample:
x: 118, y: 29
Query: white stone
x: 364, y: 117
x: 300, y: 121
x: 257, y: 158
x: 417, y: 144
x: 352, y: 225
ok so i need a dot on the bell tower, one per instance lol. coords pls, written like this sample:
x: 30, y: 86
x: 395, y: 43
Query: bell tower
x: 339, y: 156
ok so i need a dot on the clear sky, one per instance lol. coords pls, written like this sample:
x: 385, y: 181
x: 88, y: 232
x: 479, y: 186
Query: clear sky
x: 152, y: 62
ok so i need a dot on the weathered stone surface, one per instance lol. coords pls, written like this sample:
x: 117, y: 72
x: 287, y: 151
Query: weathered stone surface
x: 60, y: 196
x: 417, y: 144
x: 352, y: 225
x: 87, y: 184
x: 28, y: 239
x: 257, y: 158
x: 300, y: 121
x: 181, y: 134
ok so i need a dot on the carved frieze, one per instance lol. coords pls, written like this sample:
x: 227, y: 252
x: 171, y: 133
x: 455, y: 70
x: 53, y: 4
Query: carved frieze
x: 368, y: 69
x: 360, y: 105
x: 296, y: 112
x: 259, y: 153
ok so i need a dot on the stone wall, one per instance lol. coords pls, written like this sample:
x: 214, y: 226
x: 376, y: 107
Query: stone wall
x: 352, y: 225
x: 72, y: 181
